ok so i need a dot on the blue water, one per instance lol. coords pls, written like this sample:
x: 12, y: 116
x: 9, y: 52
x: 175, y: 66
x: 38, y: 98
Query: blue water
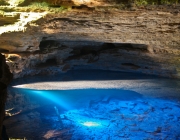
x: 97, y: 114
x: 72, y: 99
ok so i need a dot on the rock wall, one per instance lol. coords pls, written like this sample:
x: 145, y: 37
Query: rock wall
x: 145, y: 41
x: 5, y: 78
x: 66, y: 55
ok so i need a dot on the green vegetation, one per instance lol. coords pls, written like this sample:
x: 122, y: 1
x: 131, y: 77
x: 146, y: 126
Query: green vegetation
x: 11, y: 2
x: 44, y: 6
x: 15, y: 2
x: 54, y: 5
x: 1, y: 12
x: 155, y: 2
x: 169, y: 1
x: 33, y: 7
x: 141, y: 2
x: 2, y: 2
x: 37, y: 5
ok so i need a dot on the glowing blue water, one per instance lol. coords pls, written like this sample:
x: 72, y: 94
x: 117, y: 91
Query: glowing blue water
x: 102, y: 114
x: 141, y: 108
x: 67, y: 99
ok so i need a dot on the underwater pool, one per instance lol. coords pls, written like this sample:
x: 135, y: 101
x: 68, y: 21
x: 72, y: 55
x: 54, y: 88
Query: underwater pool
x: 94, y: 105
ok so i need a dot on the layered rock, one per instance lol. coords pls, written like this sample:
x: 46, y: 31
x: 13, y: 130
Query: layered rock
x: 5, y: 78
x: 143, y: 41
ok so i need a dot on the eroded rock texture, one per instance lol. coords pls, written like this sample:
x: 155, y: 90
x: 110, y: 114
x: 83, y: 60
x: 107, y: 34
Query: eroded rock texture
x: 5, y: 78
x: 145, y: 41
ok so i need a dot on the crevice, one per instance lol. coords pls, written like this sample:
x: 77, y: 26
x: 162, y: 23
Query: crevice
x: 131, y: 65
x: 3, y: 50
x: 49, y: 62
x: 132, y: 47
x: 80, y: 51
x: 47, y: 46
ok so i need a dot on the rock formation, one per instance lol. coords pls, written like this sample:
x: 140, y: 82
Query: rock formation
x: 5, y: 78
x: 144, y: 41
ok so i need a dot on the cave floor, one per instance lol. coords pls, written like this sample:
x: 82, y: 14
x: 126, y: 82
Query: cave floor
x: 142, y: 108
x: 135, y: 119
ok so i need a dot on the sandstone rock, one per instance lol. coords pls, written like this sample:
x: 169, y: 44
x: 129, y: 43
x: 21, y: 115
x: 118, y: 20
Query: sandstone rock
x: 145, y: 41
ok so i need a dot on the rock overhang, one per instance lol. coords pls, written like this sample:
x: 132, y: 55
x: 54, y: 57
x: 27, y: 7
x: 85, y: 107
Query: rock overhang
x: 125, y: 40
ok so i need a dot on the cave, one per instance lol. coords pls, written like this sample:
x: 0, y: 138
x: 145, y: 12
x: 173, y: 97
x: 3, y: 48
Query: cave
x: 89, y: 70
x: 93, y: 104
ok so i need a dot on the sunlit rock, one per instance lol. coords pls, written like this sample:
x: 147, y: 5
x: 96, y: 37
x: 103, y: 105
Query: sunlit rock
x: 144, y: 41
